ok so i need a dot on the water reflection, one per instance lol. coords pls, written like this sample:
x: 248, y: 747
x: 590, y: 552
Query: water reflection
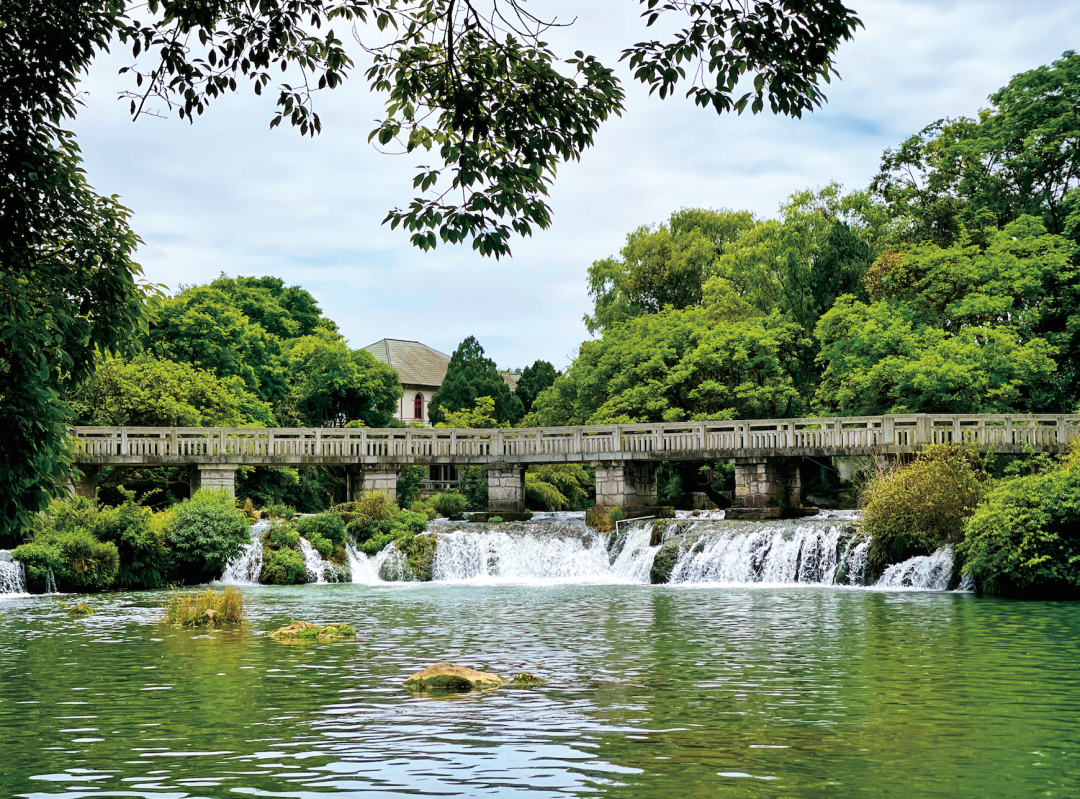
x: 653, y: 693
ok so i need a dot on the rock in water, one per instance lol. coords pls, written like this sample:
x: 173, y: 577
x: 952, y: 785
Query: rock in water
x: 526, y: 680
x: 452, y: 677
x: 307, y: 630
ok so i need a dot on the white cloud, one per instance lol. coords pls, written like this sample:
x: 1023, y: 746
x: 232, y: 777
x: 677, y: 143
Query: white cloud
x: 227, y: 194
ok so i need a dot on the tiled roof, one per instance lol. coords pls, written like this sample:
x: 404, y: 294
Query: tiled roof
x: 416, y: 364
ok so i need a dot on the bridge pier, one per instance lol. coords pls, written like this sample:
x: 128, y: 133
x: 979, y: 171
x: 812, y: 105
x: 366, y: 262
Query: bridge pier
x: 86, y: 483
x: 772, y: 482
x: 506, y: 488
x: 374, y: 477
x: 621, y: 484
x: 216, y: 476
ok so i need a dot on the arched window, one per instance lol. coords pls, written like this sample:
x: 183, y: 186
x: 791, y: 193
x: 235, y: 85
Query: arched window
x: 418, y: 407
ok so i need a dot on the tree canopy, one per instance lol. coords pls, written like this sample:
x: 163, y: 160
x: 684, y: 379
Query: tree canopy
x: 470, y: 375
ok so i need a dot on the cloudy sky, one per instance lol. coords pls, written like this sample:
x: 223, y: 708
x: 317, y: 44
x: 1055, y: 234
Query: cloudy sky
x: 229, y: 195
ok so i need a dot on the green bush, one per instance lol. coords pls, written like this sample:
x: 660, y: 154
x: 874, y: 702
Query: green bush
x: 328, y: 525
x: 474, y: 487
x: 1024, y: 539
x: 283, y: 567
x: 279, y: 511
x: 207, y: 532
x: 78, y: 560
x: 144, y: 555
x: 450, y: 504
x: 283, y: 536
x: 571, y: 483
x: 321, y: 545
x: 915, y: 509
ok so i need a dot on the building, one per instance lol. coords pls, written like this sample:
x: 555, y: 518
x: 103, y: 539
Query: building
x: 420, y: 369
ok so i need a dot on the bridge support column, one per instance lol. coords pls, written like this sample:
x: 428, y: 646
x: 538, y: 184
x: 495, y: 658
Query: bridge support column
x: 373, y: 477
x: 217, y: 476
x: 506, y: 488
x: 773, y: 482
x: 621, y: 484
x: 85, y: 484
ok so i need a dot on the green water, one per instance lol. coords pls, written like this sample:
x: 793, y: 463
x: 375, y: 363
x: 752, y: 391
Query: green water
x: 659, y: 692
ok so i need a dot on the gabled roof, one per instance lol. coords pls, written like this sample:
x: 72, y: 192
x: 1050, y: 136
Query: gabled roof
x: 416, y: 364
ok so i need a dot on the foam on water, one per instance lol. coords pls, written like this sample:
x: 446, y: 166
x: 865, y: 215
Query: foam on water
x: 245, y: 570
x: 926, y: 572
x: 12, y: 577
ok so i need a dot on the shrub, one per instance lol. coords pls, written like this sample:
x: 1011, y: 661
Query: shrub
x: 77, y: 559
x: 207, y: 532
x: 1024, y: 539
x: 205, y: 608
x: 474, y: 487
x: 279, y: 511
x: 321, y: 545
x: 283, y: 536
x: 572, y: 481
x: 376, y: 505
x: 283, y: 567
x: 144, y: 556
x: 328, y: 525
x: 915, y: 509
x: 450, y: 504
x: 615, y: 515
x: 412, y: 522
x: 426, y: 508
x: 495, y: 519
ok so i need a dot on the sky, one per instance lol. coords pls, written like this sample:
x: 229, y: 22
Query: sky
x: 227, y: 194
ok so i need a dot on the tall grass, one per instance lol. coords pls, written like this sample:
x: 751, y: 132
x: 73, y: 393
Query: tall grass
x: 206, y: 608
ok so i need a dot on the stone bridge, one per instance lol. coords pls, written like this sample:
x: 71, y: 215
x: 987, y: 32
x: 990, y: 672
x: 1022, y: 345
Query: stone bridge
x: 766, y: 452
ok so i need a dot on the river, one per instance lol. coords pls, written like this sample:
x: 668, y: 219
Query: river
x: 693, y: 689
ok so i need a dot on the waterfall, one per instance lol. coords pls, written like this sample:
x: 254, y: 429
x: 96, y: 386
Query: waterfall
x: 633, y: 557
x: 314, y: 564
x: 365, y: 570
x: 247, y: 567
x: 929, y: 572
x: 12, y: 576
x: 555, y: 552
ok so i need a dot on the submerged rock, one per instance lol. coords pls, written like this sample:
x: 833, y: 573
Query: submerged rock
x: 308, y: 631
x: 452, y: 677
x: 80, y: 609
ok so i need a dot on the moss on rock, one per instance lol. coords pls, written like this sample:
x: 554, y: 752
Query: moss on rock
x: 526, y: 680
x: 452, y: 677
x: 308, y: 631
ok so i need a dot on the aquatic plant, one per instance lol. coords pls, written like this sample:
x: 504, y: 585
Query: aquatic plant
x: 308, y: 631
x: 207, y: 608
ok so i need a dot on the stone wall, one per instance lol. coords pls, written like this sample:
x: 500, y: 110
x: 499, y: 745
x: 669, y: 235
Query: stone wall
x: 621, y: 484
x: 214, y: 476
x: 506, y: 488
x: 379, y: 477
x: 773, y: 482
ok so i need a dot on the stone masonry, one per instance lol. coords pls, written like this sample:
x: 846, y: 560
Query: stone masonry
x: 772, y: 482
x: 506, y: 488
x: 214, y: 476
x: 621, y: 484
x: 376, y: 477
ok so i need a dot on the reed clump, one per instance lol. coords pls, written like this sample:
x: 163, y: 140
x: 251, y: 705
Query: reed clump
x: 207, y: 608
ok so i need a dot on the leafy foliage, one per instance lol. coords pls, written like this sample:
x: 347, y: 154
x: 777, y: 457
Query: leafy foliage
x: 408, y: 484
x: 470, y: 376
x: 450, y: 504
x: 554, y: 487
x: 207, y: 532
x: 283, y: 567
x: 327, y: 525
x: 533, y: 380
x: 76, y: 558
x: 918, y: 508
x: 1024, y: 539
x: 142, y: 546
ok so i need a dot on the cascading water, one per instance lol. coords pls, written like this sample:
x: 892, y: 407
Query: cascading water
x: 314, y: 564
x: 932, y: 572
x: 365, y: 570
x: 245, y: 570
x: 12, y: 576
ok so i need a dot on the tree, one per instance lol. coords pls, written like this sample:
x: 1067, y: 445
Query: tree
x: 481, y: 88
x: 333, y: 384
x: 533, y: 380
x: 970, y: 328
x: 471, y: 375
x: 662, y: 267
x: 480, y: 416
x: 200, y: 326
x: 284, y: 312
x: 676, y: 366
x: 1021, y: 156
x: 149, y: 392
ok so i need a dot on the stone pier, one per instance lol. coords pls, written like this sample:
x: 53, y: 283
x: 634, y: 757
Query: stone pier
x: 220, y: 476
x: 375, y: 477
x: 772, y: 482
x: 506, y: 488
x: 85, y: 484
x: 621, y: 484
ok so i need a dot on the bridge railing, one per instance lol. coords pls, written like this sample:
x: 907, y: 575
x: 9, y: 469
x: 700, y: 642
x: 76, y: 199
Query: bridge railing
x: 587, y: 442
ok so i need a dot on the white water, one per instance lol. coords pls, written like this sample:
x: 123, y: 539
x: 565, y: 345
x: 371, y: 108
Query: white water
x: 365, y: 570
x: 314, y: 564
x: 929, y: 572
x: 245, y: 570
x: 12, y: 576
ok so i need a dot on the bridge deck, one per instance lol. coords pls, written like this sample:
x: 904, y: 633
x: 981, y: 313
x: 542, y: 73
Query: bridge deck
x: 714, y: 440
